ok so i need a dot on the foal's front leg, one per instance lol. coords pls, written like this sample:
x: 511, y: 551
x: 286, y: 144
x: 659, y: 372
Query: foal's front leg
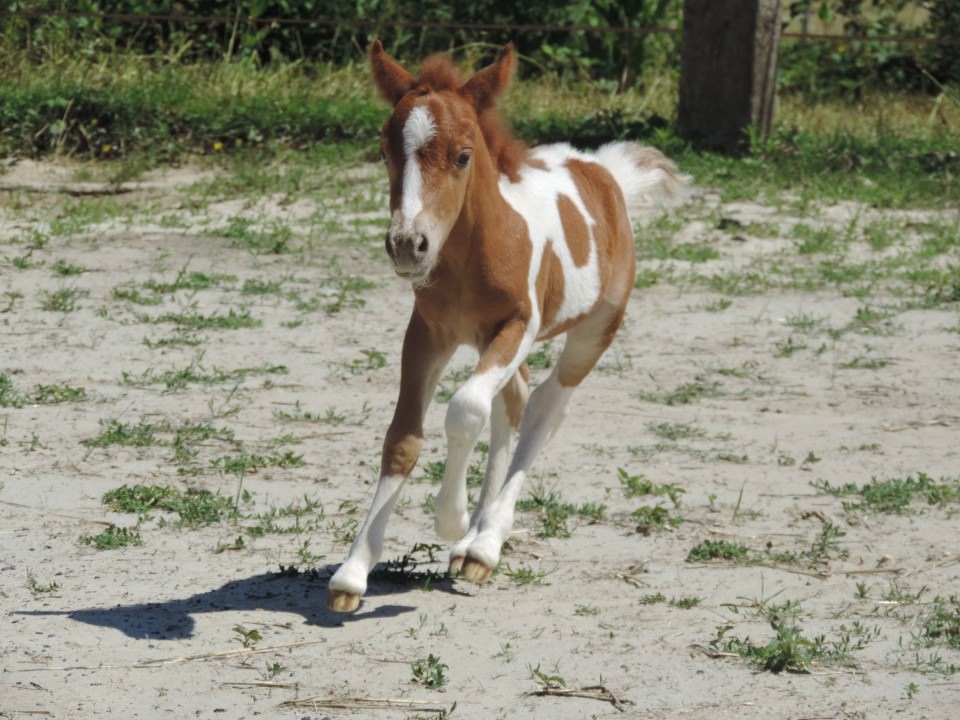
x: 423, y: 361
x: 468, y: 412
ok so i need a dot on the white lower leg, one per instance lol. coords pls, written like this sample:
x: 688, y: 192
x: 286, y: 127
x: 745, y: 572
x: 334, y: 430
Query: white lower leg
x: 497, y: 459
x: 466, y: 416
x: 540, y: 421
x: 351, y: 577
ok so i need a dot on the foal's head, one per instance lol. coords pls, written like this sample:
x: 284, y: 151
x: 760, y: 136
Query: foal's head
x: 431, y: 144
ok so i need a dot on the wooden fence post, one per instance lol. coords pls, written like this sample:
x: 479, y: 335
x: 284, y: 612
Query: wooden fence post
x: 728, y: 71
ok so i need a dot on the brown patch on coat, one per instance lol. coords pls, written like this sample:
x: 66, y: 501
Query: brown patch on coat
x: 515, y: 395
x: 575, y: 231
x: 550, y: 287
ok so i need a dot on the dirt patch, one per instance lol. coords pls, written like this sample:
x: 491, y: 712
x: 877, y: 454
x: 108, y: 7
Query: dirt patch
x: 243, y: 350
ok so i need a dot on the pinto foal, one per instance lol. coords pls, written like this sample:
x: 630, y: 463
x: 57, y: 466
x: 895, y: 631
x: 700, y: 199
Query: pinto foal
x: 504, y: 246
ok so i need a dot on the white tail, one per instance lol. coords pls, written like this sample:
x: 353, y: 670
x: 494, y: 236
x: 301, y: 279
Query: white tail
x: 643, y: 173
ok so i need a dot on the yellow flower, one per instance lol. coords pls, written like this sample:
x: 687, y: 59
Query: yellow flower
x: 218, y: 146
x: 93, y: 121
x: 841, y: 48
x: 105, y: 148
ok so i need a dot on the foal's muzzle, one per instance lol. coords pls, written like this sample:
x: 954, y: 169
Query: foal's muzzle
x: 410, y: 253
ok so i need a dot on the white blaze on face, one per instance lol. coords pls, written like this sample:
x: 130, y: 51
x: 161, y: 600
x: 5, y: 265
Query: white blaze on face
x: 419, y: 129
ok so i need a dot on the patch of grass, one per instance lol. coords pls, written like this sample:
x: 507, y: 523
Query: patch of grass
x: 805, y: 323
x: 339, y: 292
x: 676, y: 431
x: 274, y: 239
x: 788, y: 348
x: 246, y: 463
x: 648, y: 519
x: 195, y: 373
x: 789, y: 650
x: 63, y: 300
x: 873, y: 321
x: 191, y: 320
x: 191, y: 280
x: 554, y: 512
x: 38, y: 588
x: 331, y: 416
x: 709, y: 550
x: 371, y: 360
x: 193, y: 507
x: 655, y: 241
x: 62, y: 268
x: 542, y: 357
x: 894, y: 495
x: 684, y: 603
x: 56, y: 394
x: 940, y: 624
x: 685, y: 394
x: 640, y: 485
x: 523, y: 575
x: 815, y: 240
x: 113, y: 538
x: 178, y: 339
x: 450, y: 382
x: 408, y: 569
x: 430, y: 672
x: 115, y: 432
x: 862, y: 362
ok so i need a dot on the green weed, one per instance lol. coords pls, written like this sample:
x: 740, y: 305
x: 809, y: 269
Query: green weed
x: 430, y: 672
x: 408, y: 568
x: 685, y: 394
x: 10, y: 396
x: 554, y: 513
x: 640, y: 485
x: 195, y: 373
x: 709, y: 550
x: 246, y: 463
x: 38, y: 588
x: 115, y: 432
x: 63, y: 300
x: 193, y: 507
x: 894, y: 495
x: 648, y: 519
x: 790, y: 650
x: 523, y: 575
x: 274, y: 239
x: 113, y: 538
x: 62, y: 268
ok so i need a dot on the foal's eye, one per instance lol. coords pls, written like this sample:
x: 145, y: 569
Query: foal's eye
x: 463, y: 159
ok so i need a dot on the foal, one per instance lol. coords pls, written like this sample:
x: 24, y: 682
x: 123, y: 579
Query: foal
x: 504, y: 246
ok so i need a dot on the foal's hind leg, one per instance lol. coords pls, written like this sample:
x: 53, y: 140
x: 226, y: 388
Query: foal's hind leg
x: 544, y: 413
x: 505, y: 418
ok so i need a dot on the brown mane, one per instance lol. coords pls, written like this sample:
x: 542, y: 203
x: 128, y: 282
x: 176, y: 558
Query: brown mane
x: 508, y: 153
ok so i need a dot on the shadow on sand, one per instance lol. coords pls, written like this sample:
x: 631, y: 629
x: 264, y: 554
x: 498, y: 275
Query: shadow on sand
x: 303, y: 593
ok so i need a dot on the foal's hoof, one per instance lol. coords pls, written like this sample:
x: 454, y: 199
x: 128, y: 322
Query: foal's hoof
x: 455, y: 564
x: 343, y: 601
x: 475, y: 571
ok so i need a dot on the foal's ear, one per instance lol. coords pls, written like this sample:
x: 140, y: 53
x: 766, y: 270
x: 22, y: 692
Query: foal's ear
x: 391, y: 79
x: 482, y: 89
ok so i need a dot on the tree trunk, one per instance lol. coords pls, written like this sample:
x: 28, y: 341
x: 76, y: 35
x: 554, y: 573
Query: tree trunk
x: 728, y: 73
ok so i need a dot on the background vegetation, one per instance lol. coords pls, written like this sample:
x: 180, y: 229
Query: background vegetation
x: 101, y: 79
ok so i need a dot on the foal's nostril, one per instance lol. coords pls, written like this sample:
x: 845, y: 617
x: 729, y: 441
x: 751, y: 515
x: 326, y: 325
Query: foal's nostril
x: 423, y: 244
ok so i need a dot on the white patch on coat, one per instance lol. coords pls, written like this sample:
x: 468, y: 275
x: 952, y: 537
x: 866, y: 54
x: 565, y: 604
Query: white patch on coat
x: 535, y: 198
x: 419, y: 129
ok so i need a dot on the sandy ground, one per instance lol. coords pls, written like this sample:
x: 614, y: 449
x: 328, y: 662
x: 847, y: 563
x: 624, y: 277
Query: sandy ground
x: 150, y: 631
